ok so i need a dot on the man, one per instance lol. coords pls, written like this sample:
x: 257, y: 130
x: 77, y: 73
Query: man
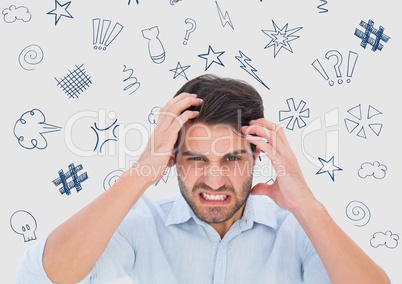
x: 213, y: 130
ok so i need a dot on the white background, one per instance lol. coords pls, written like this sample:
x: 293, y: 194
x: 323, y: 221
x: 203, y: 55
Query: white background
x: 27, y: 174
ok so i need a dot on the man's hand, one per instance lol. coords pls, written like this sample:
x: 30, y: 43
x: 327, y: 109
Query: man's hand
x: 290, y: 190
x: 159, y: 153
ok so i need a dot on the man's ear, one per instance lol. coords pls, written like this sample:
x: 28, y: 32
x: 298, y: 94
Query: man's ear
x: 172, y: 159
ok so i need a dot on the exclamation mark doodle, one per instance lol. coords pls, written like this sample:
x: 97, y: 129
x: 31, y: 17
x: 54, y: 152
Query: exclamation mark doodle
x: 317, y: 65
x: 101, y: 38
x: 352, y: 59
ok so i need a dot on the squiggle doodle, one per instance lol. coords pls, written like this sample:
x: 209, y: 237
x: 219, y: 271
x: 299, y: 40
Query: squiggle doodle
x: 321, y: 7
x: 23, y: 223
x: 13, y: 13
x: 387, y: 239
x: 358, y: 212
x: 30, y: 128
x: 30, y: 56
x: 133, y: 84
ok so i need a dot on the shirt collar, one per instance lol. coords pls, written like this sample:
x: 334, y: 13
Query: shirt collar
x: 259, y: 209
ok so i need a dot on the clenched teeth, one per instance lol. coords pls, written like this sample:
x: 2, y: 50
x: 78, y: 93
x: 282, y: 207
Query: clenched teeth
x: 213, y: 196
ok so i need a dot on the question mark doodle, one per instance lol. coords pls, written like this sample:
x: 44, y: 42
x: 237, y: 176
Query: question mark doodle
x: 190, y: 30
x: 358, y: 212
x: 337, y: 65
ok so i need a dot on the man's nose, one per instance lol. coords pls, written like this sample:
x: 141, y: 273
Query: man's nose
x: 214, y: 177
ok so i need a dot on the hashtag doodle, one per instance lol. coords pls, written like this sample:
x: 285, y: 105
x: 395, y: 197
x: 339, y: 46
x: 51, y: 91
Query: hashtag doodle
x: 75, y: 82
x: 366, y: 35
x: 74, y: 183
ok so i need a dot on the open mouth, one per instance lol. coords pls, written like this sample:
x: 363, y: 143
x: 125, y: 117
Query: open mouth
x: 214, y: 199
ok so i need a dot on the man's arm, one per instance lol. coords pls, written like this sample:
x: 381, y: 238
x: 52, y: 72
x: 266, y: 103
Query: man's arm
x: 73, y: 248
x: 343, y: 259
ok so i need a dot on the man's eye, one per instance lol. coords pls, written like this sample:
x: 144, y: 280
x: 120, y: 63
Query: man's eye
x: 195, y: 159
x: 233, y: 158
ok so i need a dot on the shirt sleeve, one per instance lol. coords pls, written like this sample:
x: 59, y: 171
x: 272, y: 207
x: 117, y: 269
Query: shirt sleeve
x: 116, y: 261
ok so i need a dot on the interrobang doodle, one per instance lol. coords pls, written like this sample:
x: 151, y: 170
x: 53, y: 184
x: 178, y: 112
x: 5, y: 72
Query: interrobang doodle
x: 359, y: 122
x: 352, y: 59
x: 374, y: 169
x: 294, y: 114
x: 102, y: 37
x: 75, y: 182
x: 358, y: 212
x: 23, y: 223
x: 75, y: 82
x: 111, y: 178
x: 13, y: 13
x: 30, y: 129
x: 155, y: 46
x: 30, y: 56
x: 193, y: 26
x: 387, y: 239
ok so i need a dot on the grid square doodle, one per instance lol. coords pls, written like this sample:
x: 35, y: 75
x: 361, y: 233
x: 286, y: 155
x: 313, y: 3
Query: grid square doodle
x: 75, y: 82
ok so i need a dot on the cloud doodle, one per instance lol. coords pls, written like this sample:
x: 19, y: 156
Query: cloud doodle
x: 13, y: 13
x: 375, y: 169
x: 387, y: 239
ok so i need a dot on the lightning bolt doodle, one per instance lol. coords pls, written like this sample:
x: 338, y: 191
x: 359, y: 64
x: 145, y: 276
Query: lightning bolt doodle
x: 244, y: 60
x: 225, y: 18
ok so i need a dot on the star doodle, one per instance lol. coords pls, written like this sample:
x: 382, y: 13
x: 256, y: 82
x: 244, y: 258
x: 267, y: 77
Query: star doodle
x: 281, y: 37
x: 212, y: 57
x: 60, y: 10
x: 181, y: 72
x: 328, y: 168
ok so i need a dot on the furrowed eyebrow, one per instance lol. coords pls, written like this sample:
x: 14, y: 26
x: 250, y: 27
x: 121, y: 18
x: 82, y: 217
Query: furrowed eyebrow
x: 238, y: 152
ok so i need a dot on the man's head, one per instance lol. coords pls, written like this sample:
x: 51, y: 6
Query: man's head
x: 213, y: 158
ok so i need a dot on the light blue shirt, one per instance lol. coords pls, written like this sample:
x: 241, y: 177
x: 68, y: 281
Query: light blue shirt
x: 164, y: 242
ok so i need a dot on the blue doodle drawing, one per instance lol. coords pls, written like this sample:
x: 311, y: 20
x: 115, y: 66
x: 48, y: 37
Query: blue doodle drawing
x: 60, y: 10
x: 30, y: 129
x: 172, y: 2
x: 153, y: 115
x: 360, y: 124
x: 225, y: 18
x: 30, y: 56
x: 321, y: 7
x: 74, y: 183
x: 358, y: 212
x: 113, y: 127
x: 246, y: 66
x: 13, y: 13
x: 212, y: 57
x: 375, y: 169
x: 352, y: 59
x: 155, y: 47
x: 328, y: 167
x: 294, y: 114
x: 134, y: 84
x: 366, y: 36
x: 165, y: 176
x: 111, y: 178
x: 74, y: 82
x: 387, y: 239
x: 101, y: 36
x: 193, y: 25
x: 180, y: 71
x: 280, y: 37
x: 129, y: 2
x: 23, y: 223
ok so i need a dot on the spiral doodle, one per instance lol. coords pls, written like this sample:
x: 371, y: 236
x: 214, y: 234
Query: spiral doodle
x: 30, y: 56
x: 358, y: 212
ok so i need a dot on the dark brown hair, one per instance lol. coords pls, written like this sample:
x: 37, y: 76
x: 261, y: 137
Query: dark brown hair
x: 227, y: 101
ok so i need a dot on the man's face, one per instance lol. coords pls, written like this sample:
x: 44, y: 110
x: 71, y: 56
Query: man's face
x: 214, y: 165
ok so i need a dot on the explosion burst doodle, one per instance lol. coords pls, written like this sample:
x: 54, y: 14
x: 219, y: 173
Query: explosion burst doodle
x: 366, y: 36
x: 74, y: 82
x: 360, y: 123
x: 280, y: 37
x: 74, y: 183
x: 294, y: 115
